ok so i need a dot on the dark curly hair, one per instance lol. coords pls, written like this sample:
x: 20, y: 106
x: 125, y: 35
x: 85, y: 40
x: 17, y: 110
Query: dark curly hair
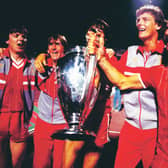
x: 100, y: 25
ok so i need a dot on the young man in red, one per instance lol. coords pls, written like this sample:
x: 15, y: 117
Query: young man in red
x: 50, y: 116
x: 155, y: 77
x: 17, y: 83
x: 138, y: 135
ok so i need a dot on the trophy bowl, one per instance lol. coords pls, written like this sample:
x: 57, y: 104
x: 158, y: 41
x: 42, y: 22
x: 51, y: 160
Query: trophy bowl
x: 77, y: 91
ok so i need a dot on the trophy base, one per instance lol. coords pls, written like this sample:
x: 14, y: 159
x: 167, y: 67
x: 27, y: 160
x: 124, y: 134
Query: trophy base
x: 72, y: 135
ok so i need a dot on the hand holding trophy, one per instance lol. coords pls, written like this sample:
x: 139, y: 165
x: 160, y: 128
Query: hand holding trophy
x: 78, y: 82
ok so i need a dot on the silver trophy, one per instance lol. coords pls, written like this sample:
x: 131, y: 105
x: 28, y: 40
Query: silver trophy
x: 77, y: 91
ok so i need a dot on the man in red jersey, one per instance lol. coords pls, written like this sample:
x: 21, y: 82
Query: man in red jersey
x: 140, y: 106
x: 17, y: 84
x: 48, y: 151
x: 156, y: 78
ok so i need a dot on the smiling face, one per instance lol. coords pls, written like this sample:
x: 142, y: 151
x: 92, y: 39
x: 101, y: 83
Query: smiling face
x: 55, y: 49
x: 147, y: 27
x: 17, y: 42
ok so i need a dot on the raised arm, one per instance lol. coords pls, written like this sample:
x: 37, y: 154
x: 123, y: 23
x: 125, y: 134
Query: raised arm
x: 123, y: 82
x: 117, y: 78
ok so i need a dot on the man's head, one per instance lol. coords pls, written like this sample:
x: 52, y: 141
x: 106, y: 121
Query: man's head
x: 99, y: 25
x: 150, y: 21
x: 17, y: 39
x: 57, y: 45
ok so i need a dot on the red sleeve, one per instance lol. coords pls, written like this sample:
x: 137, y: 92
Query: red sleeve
x: 112, y: 59
x: 120, y: 65
x: 151, y: 76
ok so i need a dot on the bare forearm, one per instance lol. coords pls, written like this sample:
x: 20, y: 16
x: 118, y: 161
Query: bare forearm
x: 117, y: 78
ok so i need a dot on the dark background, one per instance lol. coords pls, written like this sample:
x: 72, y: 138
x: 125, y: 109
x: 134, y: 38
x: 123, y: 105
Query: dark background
x: 72, y: 18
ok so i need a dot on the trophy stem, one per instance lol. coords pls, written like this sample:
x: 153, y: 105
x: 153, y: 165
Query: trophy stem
x: 74, y: 119
x: 74, y: 132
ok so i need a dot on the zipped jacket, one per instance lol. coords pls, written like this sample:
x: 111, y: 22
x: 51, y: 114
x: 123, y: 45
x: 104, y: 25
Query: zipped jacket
x: 49, y: 106
x: 141, y: 106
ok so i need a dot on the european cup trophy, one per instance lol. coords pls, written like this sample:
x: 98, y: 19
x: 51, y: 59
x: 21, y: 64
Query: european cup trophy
x: 77, y: 91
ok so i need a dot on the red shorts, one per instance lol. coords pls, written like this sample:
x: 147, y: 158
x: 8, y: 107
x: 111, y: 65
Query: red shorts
x: 12, y: 125
x: 134, y: 145
x: 45, y: 147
